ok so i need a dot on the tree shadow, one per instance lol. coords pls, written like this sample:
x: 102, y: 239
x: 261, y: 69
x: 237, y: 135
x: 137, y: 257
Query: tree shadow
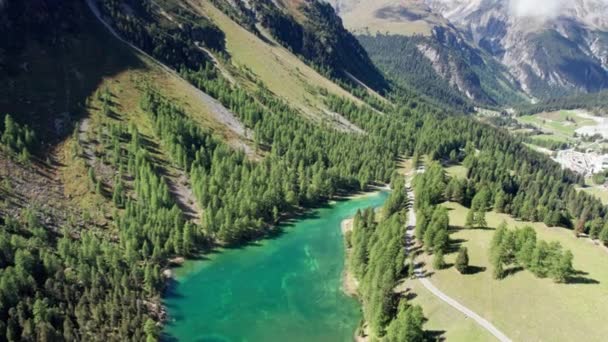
x: 512, y: 271
x: 164, y: 337
x: 415, y: 250
x: 170, y: 290
x: 424, y: 274
x: 453, y: 229
x: 579, y: 278
x: 114, y: 115
x: 410, y: 296
x: 434, y: 335
x: 86, y: 56
x: 471, y: 270
x: 455, y: 245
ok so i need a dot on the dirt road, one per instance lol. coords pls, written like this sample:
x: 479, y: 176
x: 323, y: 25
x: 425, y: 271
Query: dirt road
x: 419, y: 273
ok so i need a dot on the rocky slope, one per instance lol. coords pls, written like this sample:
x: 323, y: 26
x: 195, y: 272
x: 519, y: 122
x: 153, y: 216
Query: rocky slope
x: 462, y: 66
x: 558, y: 48
x: 546, y: 51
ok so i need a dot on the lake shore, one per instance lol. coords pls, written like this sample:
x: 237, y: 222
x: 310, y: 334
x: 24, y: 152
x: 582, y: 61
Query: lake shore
x: 370, y: 190
x: 350, y: 284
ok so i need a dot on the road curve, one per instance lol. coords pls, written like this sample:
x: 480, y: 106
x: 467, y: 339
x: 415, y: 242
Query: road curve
x: 468, y: 312
x: 411, y: 226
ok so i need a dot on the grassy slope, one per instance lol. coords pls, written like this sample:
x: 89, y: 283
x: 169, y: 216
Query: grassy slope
x: 96, y: 61
x: 556, y: 125
x: 524, y: 307
x: 383, y: 16
x: 281, y: 71
x: 599, y: 192
x: 126, y: 89
x: 60, y: 77
x: 458, y: 171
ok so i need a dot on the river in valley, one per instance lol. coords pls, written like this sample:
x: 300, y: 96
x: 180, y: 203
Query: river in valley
x: 282, y: 289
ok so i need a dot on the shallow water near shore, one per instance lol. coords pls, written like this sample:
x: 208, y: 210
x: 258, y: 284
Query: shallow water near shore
x: 282, y: 289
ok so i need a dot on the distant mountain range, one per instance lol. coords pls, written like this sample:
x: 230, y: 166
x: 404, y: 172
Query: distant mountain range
x: 490, y: 50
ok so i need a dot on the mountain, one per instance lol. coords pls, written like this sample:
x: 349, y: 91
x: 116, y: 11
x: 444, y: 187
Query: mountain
x: 311, y: 29
x: 397, y: 34
x: 558, y: 49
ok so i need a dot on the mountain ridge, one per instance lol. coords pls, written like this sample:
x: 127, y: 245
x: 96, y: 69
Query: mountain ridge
x: 537, y: 44
x: 558, y: 50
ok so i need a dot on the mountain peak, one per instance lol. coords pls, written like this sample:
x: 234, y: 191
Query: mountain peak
x: 591, y: 13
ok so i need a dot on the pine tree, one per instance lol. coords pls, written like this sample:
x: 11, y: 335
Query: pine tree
x: 92, y: 178
x: 429, y: 238
x: 441, y: 241
x: 596, y: 228
x: 561, y: 268
x: 150, y: 330
x: 421, y: 224
x: 188, y: 239
x: 579, y: 229
x: 462, y: 260
x: 118, y: 195
x: 98, y: 188
x: 480, y: 219
x: 438, y: 261
x: 498, y: 271
x: 525, y: 254
x: 68, y: 329
x: 500, y: 202
x: 407, y: 326
x: 470, y: 220
x: 604, y: 234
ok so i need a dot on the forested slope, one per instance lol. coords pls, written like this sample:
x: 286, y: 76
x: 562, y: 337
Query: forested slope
x: 597, y: 102
x: 401, y: 60
x: 443, y: 67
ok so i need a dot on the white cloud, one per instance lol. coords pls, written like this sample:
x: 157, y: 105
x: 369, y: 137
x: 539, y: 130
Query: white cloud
x: 543, y: 9
x: 549, y: 9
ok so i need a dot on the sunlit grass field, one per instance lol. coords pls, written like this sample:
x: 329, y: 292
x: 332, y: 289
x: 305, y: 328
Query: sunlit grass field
x: 524, y: 307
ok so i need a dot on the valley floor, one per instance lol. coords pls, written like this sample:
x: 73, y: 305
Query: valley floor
x: 526, y: 308
x: 422, y: 275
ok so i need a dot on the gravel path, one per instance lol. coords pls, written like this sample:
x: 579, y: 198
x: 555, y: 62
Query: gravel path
x: 410, y: 235
x: 468, y: 312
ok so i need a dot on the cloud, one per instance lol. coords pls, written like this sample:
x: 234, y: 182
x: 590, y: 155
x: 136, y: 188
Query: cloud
x: 550, y: 9
x: 542, y: 9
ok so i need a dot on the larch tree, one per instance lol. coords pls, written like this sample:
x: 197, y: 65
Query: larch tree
x: 462, y: 260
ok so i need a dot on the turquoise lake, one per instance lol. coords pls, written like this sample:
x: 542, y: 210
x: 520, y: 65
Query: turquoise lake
x: 282, y: 289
